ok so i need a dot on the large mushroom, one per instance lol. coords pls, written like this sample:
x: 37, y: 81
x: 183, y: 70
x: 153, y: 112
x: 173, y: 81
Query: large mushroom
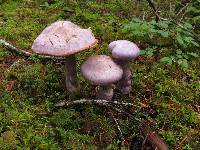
x: 123, y: 52
x: 64, y: 38
x: 103, y: 71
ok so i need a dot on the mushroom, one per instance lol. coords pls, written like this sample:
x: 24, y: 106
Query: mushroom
x: 103, y: 71
x: 64, y: 38
x: 123, y: 52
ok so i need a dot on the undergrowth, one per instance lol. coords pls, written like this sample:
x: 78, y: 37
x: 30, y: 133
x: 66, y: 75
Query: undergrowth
x: 166, y: 77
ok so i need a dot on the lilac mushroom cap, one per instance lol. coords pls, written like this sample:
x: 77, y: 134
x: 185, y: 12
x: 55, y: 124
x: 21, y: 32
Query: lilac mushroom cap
x: 101, y: 70
x: 124, y: 50
x: 64, y: 38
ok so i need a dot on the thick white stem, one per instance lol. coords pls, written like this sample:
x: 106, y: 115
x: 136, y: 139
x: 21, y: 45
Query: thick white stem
x: 105, y: 92
x: 125, y: 83
x: 71, y: 81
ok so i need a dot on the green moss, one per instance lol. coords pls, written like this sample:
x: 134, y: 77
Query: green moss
x: 30, y: 87
x: 8, y: 140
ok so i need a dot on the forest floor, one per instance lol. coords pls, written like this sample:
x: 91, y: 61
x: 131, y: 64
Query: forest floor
x: 165, y: 90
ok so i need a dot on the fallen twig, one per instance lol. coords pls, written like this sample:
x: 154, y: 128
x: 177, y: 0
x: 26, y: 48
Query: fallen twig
x: 152, y: 5
x: 88, y: 101
x: 122, y: 140
x: 154, y: 139
x: 10, y: 47
x: 105, y: 103
x: 182, y: 9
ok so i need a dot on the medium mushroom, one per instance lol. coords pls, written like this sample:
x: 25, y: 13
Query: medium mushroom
x: 103, y: 71
x: 64, y: 38
x: 124, y: 51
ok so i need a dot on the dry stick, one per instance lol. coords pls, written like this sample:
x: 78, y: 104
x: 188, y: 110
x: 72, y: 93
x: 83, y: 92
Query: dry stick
x: 143, y: 143
x: 10, y: 47
x: 151, y: 136
x: 182, y: 9
x: 118, y: 128
x: 152, y: 5
x: 88, y: 101
x: 104, y: 103
x: 154, y: 139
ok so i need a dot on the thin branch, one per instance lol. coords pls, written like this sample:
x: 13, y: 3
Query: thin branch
x: 10, y: 47
x: 182, y: 9
x: 155, y: 140
x: 88, y: 101
x: 105, y: 103
x: 143, y: 143
x: 152, y: 5
x: 118, y: 127
x: 158, y: 17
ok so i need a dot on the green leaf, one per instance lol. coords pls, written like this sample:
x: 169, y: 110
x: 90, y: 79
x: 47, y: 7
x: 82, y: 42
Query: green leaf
x: 187, y: 25
x: 193, y: 54
x: 164, y: 34
x: 186, y: 56
x: 163, y: 24
x: 142, y: 52
x: 195, y: 43
x: 167, y: 60
x: 180, y: 40
x: 183, y: 63
x: 196, y: 19
x: 179, y: 52
x: 179, y: 56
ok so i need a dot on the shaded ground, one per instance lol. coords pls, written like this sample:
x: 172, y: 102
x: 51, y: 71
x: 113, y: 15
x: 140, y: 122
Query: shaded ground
x: 167, y: 96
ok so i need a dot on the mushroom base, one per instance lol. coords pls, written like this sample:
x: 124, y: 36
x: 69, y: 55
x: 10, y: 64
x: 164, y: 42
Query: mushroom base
x: 71, y: 81
x: 105, y: 92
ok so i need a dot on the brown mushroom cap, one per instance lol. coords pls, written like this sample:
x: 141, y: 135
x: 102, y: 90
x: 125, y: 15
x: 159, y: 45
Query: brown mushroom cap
x: 63, y: 38
x: 101, y: 70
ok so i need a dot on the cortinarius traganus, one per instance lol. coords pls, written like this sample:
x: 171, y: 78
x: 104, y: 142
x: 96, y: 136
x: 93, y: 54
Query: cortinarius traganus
x: 64, y: 38
x: 123, y: 52
x: 103, y: 71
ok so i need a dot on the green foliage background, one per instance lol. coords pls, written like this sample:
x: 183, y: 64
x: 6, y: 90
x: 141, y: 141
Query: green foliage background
x: 166, y: 76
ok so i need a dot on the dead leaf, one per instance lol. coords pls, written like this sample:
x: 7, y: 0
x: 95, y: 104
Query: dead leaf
x: 10, y: 85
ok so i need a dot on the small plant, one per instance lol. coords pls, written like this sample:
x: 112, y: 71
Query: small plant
x: 67, y: 119
x: 180, y: 57
x: 148, y: 52
x: 8, y: 140
x: 166, y: 96
x: 170, y: 138
x: 162, y: 34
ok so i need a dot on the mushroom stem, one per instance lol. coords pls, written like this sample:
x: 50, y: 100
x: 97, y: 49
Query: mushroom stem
x: 124, y: 84
x: 71, y: 81
x: 105, y: 92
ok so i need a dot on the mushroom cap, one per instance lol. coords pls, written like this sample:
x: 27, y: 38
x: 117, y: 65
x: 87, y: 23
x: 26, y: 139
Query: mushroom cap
x: 63, y: 38
x: 101, y: 70
x: 124, y: 50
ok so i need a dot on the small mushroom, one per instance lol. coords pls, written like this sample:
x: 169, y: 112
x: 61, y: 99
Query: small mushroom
x: 123, y: 52
x: 64, y: 38
x: 103, y: 71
